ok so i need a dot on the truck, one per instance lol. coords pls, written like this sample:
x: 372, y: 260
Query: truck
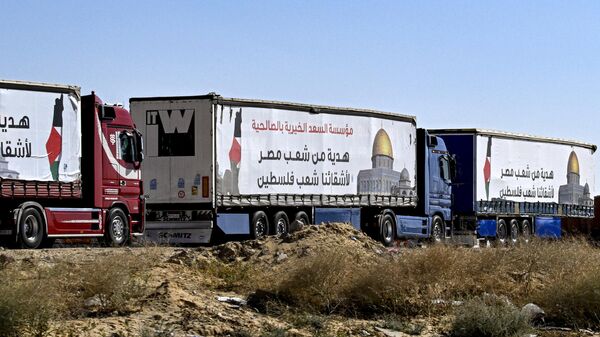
x: 510, y: 186
x: 69, y: 167
x: 227, y: 166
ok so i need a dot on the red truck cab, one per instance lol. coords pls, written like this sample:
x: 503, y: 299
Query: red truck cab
x: 103, y: 201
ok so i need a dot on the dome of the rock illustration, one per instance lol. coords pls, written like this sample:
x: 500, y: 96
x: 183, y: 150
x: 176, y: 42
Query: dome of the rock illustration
x: 573, y: 165
x: 382, y: 145
x: 404, y: 175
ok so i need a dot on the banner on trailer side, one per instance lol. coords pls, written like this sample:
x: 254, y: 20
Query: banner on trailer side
x: 40, y: 135
x: 532, y: 171
x: 264, y: 151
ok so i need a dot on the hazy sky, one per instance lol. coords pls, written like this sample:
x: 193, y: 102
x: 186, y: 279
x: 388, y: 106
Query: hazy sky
x: 522, y: 66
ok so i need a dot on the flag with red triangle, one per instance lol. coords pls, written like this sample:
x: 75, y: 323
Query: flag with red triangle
x: 235, y: 152
x: 487, y: 168
x: 54, y: 142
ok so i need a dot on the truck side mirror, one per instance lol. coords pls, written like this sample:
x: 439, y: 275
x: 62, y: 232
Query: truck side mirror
x: 138, y: 140
x: 453, y: 169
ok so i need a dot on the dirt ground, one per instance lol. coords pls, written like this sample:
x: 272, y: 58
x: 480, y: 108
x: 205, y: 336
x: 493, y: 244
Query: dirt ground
x: 185, y: 299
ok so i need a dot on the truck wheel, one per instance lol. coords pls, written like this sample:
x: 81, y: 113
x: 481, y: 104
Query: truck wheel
x: 501, y: 232
x: 387, y: 229
x: 526, y: 230
x: 281, y: 223
x: 31, y: 229
x: 438, y: 229
x: 260, y: 225
x: 300, y: 220
x: 514, y: 231
x: 117, y: 228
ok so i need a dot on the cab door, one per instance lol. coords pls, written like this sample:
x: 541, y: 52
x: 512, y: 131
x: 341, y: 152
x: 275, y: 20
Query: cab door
x: 121, y: 168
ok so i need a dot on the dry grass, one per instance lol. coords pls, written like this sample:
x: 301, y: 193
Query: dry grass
x: 28, y: 304
x: 229, y: 276
x: 562, y: 277
x: 489, y: 316
x: 116, y: 282
x: 35, y: 296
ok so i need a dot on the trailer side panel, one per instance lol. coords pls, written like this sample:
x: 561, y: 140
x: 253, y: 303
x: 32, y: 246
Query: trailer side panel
x: 269, y: 155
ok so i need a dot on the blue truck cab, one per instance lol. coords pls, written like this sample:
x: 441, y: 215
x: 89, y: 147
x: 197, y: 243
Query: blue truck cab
x: 435, y: 171
x: 431, y: 218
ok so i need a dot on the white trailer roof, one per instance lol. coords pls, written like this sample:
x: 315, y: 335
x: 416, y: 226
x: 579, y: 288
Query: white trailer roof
x: 513, y: 135
x: 40, y: 86
x: 312, y: 108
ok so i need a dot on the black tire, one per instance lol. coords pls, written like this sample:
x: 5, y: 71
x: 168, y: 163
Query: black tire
x: 501, y: 232
x: 438, y: 229
x: 387, y: 229
x: 116, y: 232
x: 259, y: 227
x: 300, y: 220
x: 526, y: 231
x: 514, y: 231
x: 31, y: 229
x: 281, y: 223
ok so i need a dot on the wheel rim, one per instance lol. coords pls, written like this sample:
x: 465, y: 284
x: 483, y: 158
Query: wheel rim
x: 526, y: 231
x: 118, y: 229
x: 437, y: 231
x: 300, y: 221
x: 280, y: 227
x: 31, y: 228
x: 514, y: 232
x: 502, y: 232
x: 387, y: 231
x: 259, y: 228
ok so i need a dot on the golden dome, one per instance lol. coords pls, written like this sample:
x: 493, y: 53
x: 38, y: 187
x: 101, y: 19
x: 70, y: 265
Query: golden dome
x: 382, y: 146
x: 573, y: 166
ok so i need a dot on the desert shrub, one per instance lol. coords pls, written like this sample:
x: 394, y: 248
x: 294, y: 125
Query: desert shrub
x: 28, y: 303
x: 235, y: 275
x: 115, y: 282
x: 318, y: 283
x: 573, y: 300
x: 427, y: 281
x: 489, y: 316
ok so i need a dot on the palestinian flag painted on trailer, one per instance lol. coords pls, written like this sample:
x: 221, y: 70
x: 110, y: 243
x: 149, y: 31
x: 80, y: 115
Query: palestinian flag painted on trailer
x: 54, y: 142
x: 487, y: 168
x: 235, y: 152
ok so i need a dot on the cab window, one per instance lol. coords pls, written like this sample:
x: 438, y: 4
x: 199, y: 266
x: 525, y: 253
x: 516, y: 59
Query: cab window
x: 126, y: 147
x: 445, y: 168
